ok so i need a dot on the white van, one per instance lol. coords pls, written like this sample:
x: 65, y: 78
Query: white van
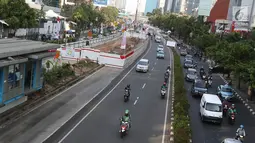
x: 211, y: 108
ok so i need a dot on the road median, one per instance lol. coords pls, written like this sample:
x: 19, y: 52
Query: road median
x: 181, y: 124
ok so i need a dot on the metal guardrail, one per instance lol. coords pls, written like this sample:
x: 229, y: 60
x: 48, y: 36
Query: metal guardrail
x: 93, y: 42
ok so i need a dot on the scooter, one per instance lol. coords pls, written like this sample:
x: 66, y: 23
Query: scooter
x: 240, y: 138
x: 225, y: 110
x: 126, y: 96
x: 123, y: 129
x: 232, y: 119
x: 163, y: 93
x: 209, y: 82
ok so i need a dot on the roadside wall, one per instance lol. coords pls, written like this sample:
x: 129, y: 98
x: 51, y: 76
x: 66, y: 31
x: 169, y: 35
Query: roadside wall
x: 109, y: 59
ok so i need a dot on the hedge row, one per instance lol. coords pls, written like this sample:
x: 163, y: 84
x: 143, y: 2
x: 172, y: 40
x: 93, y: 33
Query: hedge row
x: 182, y: 131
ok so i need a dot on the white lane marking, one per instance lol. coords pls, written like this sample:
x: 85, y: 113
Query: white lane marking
x: 59, y: 94
x: 136, y: 100
x: 100, y: 101
x: 152, y: 68
x: 155, y: 63
x: 167, y: 100
x: 143, y: 85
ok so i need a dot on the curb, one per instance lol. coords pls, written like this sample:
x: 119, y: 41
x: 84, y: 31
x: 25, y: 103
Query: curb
x: 245, y: 102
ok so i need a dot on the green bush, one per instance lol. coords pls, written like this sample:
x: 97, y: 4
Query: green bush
x: 57, y: 73
x: 181, y: 105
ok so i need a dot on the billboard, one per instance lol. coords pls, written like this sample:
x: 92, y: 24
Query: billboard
x: 205, y: 7
x: 100, y: 2
x: 240, y: 13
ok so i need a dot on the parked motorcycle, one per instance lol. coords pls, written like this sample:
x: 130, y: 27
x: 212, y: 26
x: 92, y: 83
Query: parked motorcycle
x: 232, y: 119
x: 126, y: 96
x: 163, y: 93
x: 123, y: 129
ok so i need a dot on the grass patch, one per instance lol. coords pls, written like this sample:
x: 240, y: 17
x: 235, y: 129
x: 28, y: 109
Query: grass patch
x: 181, y: 105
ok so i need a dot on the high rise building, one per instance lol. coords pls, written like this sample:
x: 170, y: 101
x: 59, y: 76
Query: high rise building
x: 168, y: 5
x: 184, y: 6
x: 121, y: 4
x: 161, y: 4
x: 150, y: 5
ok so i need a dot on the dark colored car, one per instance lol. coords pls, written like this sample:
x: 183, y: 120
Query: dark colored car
x: 198, y: 88
x: 189, y: 64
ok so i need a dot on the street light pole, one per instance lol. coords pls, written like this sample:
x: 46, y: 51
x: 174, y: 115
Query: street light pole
x: 40, y: 17
x: 136, y: 12
x: 251, y: 14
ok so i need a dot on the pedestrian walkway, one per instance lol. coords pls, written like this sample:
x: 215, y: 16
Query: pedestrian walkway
x: 45, y: 119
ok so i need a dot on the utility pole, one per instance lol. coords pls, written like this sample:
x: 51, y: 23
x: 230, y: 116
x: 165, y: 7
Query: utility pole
x: 251, y: 14
x: 136, y: 12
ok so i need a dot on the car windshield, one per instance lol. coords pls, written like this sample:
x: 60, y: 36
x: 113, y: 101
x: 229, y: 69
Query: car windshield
x: 161, y: 52
x: 199, y: 85
x: 188, y: 62
x: 213, y: 107
x: 226, y: 89
x: 188, y: 57
x: 192, y: 72
x: 142, y: 63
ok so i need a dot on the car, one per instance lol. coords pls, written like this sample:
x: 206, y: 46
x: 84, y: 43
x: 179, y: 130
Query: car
x: 211, y: 108
x: 158, y: 39
x: 188, y: 57
x: 160, y: 48
x: 183, y: 52
x: 189, y: 64
x: 198, y: 88
x: 160, y: 55
x: 143, y: 65
x: 226, y: 92
x: 230, y: 140
x: 191, y: 74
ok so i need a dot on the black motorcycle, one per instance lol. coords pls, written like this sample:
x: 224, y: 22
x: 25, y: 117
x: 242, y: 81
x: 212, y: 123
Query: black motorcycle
x: 231, y: 119
x: 126, y: 96
x: 225, y: 110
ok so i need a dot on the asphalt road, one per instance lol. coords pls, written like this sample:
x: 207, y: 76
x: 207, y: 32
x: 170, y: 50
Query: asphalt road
x: 209, y: 132
x: 146, y: 107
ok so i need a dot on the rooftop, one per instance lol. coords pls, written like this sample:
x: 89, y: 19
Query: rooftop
x: 15, y: 47
x: 211, y: 98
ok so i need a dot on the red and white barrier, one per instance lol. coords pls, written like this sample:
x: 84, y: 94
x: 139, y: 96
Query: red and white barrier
x: 109, y: 59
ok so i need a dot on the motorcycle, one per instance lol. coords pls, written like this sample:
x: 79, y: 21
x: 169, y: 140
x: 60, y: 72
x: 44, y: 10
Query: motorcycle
x: 225, y: 110
x: 240, y: 138
x: 126, y: 96
x: 123, y: 129
x: 209, y: 82
x: 231, y: 119
x: 163, y: 93
x: 203, y: 76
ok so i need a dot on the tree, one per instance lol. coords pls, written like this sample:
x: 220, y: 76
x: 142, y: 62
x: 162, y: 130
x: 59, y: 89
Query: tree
x: 18, y: 14
x: 110, y: 13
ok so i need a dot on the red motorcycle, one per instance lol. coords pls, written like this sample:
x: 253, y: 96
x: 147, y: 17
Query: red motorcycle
x: 123, y: 129
x: 232, y: 119
x: 225, y: 110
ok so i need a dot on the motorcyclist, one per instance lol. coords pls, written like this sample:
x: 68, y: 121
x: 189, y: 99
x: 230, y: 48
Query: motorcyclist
x: 232, y: 110
x: 202, y: 70
x: 128, y: 88
x: 126, y: 118
x: 240, y: 132
x: 163, y: 86
x: 225, y: 102
x: 168, y: 67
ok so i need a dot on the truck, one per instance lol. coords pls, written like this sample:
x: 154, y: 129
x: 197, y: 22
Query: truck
x: 171, y: 44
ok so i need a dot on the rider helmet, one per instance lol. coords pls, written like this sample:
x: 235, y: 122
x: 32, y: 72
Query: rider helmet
x: 164, y: 83
x: 127, y: 112
x: 233, y: 106
x: 241, y: 126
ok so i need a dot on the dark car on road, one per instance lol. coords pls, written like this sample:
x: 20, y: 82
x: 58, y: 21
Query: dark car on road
x: 191, y: 74
x: 183, y: 52
x: 198, y: 88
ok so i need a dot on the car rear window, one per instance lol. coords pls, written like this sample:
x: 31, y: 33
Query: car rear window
x: 199, y: 84
x: 142, y: 63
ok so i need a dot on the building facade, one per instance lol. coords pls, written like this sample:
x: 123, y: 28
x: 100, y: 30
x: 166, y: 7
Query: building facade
x: 184, y: 6
x: 121, y: 4
x: 161, y: 4
x: 168, y: 5
x: 150, y: 5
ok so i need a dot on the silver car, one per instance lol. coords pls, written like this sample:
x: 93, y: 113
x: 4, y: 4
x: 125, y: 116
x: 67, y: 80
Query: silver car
x: 142, y: 65
x: 230, y: 140
x: 191, y: 74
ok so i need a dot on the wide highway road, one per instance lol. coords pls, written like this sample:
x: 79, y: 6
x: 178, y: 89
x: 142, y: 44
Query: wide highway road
x: 147, y: 109
x: 209, y: 132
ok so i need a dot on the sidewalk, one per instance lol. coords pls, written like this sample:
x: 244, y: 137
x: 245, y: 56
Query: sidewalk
x: 45, y: 119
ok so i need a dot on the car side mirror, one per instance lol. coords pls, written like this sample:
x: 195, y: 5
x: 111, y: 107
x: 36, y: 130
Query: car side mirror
x: 203, y: 106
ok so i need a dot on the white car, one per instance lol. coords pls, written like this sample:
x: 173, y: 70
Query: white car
x: 158, y: 39
x: 160, y: 48
x: 211, y: 108
x: 143, y: 65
